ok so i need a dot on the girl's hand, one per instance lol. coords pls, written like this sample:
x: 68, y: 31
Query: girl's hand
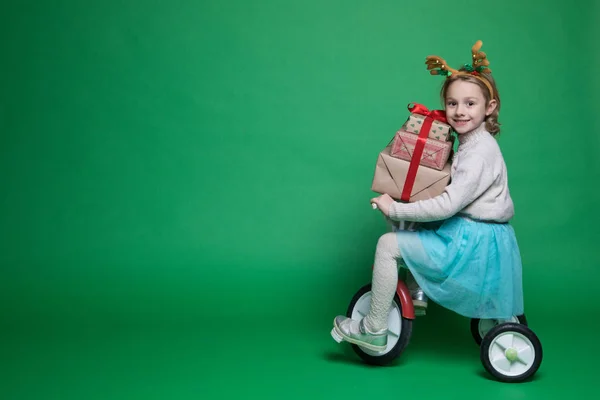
x: 383, y: 203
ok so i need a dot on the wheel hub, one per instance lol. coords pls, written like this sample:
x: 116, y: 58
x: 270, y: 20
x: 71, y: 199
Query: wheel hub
x: 511, y: 354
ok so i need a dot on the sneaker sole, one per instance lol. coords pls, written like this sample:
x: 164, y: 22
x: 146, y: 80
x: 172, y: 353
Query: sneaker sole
x: 338, y: 336
x: 420, y: 304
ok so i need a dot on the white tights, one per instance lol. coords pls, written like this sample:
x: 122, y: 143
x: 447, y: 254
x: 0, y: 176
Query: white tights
x: 385, y: 281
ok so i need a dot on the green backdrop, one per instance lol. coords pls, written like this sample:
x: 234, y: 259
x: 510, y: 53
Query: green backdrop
x: 185, y: 192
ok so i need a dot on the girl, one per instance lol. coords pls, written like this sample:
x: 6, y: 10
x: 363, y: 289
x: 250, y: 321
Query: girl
x: 469, y: 261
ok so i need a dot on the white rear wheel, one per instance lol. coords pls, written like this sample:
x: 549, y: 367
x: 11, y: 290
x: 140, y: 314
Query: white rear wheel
x: 511, y: 352
x: 480, y: 327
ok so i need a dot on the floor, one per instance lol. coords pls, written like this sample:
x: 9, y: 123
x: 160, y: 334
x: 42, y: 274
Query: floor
x: 278, y: 359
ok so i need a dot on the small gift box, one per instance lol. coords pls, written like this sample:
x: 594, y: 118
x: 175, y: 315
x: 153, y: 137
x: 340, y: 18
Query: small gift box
x: 439, y: 130
x: 435, y: 153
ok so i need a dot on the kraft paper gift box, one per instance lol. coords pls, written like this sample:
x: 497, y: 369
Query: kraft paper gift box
x: 439, y: 130
x: 435, y: 153
x: 390, y: 175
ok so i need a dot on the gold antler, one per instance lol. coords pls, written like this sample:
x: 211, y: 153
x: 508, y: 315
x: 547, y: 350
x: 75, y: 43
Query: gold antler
x: 480, y: 60
x: 438, y: 66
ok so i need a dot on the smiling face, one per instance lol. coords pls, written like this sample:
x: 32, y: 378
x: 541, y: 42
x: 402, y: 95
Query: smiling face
x: 466, y: 106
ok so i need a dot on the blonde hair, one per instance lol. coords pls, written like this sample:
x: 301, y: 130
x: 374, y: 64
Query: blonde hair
x: 491, y: 121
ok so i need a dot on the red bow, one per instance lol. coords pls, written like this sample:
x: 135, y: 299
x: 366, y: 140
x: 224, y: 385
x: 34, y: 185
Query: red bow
x: 438, y: 115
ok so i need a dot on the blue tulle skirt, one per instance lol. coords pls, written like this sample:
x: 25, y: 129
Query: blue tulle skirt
x: 470, y: 267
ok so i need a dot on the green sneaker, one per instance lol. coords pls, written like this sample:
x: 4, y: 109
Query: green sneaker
x: 356, y: 332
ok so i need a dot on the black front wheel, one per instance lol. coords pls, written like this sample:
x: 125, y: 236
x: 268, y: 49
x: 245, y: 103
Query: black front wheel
x: 399, y: 328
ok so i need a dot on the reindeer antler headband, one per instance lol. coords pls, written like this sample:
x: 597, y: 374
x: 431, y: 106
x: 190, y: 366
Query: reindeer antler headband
x: 438, y: 66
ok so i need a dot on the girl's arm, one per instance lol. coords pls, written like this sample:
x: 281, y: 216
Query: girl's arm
x: 473, y: 176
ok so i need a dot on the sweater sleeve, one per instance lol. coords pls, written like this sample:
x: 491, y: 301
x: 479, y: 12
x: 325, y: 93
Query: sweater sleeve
x: 472, y: 177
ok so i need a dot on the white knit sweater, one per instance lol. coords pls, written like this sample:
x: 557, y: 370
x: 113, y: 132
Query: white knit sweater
x: 478, y: 187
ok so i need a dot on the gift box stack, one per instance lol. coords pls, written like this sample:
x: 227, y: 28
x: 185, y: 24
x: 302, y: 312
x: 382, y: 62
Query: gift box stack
x: 415, y: 165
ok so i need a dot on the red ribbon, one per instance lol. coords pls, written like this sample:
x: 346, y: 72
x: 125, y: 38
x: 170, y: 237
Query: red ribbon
x: 430, y: 116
